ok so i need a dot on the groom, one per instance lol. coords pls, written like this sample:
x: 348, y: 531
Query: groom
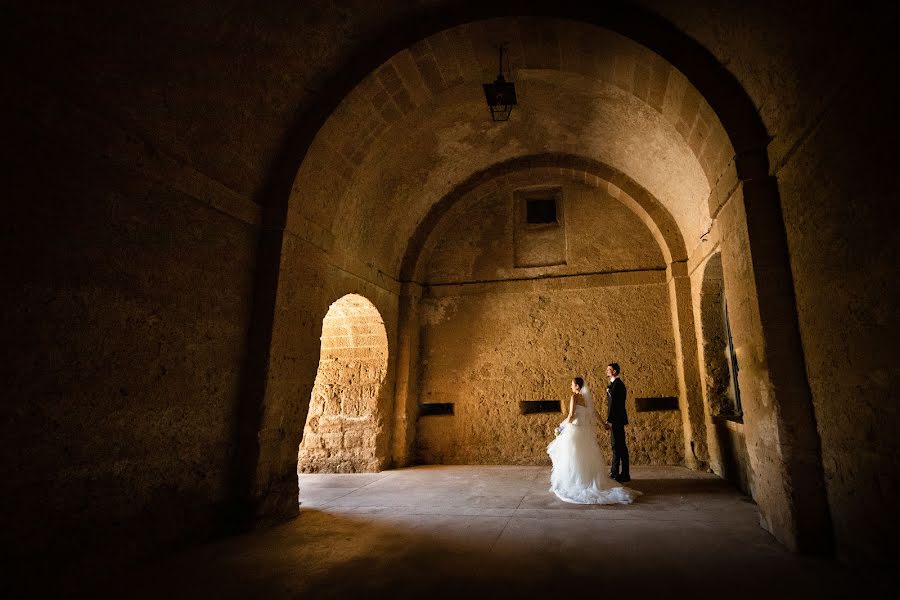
x: 616, y: 420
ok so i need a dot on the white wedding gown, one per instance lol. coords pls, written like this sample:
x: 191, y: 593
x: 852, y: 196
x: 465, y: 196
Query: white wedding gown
x: 579, y: 471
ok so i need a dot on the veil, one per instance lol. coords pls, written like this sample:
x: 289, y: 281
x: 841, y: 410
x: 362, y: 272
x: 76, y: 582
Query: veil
x: 590, y: 419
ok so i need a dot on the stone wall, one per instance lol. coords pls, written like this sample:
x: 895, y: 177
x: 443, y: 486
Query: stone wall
x: 488, y: 351
x: 489, y: 340
x: 126, y: 303
x: 733, y: 462
x: 831, y: 115
x: 844, y: 257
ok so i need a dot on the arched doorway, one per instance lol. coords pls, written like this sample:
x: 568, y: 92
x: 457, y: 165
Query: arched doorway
x: 342, y: 425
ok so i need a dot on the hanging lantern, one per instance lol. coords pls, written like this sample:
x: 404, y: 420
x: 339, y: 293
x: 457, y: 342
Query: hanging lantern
x: 500, y: 95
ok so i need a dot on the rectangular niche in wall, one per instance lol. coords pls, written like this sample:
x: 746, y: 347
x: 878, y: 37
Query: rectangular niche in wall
x: 540, y: 231
x: 656, y: 404
x: 434, y: 409
x: 531, y: 407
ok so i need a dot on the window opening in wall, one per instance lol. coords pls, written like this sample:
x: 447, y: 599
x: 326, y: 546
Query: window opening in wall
x: 540, y: 211
x: 539, y: 235
x: 656, y: 404
x: 732, y: 363
x: 531, y: 407
x: 433, y: 409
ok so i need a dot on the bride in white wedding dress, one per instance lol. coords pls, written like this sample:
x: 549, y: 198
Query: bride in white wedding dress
x: 579, y: 471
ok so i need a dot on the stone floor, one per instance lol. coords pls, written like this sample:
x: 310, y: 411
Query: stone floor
x: 496, y: 532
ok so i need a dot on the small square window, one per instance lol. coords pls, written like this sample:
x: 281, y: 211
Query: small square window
x: 540, y: 211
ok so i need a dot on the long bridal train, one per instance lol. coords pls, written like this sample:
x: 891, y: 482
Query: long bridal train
x: 579, y: 471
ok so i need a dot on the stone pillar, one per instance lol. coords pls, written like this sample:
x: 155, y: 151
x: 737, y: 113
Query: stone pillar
x: 406, y: 398
x: 779, y: 423
x: 243, y: 498
x: 300, y: 307
x: 690, y: 395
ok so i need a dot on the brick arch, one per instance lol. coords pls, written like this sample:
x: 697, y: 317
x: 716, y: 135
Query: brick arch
x: 712, y: 80
x: 590, y: 172
x: 382, y: 117
x: 391, y: 95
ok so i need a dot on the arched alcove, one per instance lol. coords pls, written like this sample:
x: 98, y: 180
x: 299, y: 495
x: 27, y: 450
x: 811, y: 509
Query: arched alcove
x: 340, y: 435
x: 719, y: 364
x: 721, y: 390
x: 514, y: 308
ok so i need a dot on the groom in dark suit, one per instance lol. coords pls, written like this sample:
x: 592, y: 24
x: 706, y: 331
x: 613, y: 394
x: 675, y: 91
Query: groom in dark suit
x: 616, y: 420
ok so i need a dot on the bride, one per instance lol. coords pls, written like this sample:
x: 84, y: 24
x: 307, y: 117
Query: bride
x: 579, y: 472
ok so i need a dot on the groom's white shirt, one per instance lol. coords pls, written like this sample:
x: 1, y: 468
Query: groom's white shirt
x: 613, y: 378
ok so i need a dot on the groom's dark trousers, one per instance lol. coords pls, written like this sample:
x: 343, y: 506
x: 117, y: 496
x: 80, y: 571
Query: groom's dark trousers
x: 618, y: 419
x: 619, y: 451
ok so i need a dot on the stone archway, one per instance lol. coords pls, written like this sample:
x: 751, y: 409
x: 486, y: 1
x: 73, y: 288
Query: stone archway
x: 659, y: 222
x: 340, y: 435
x: 727, y: 190
x: 508, y: 322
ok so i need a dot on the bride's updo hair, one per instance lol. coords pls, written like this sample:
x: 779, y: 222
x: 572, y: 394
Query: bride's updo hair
x: 579, y: 382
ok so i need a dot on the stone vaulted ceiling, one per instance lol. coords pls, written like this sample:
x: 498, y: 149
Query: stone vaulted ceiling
x: 418, y: 126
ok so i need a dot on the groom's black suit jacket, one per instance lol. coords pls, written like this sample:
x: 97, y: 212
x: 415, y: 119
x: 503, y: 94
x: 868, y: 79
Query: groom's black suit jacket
x: 615, y: 399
